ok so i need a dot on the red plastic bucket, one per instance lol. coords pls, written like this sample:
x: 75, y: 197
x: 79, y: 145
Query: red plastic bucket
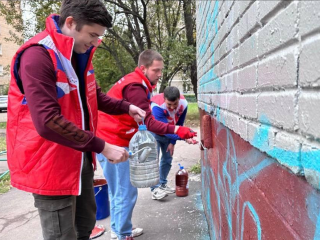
x: 102, y: 200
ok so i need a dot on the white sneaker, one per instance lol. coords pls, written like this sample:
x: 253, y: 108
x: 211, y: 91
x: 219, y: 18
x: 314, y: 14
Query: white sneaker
x: 136, y: 232
x: 158, y: 193
x: 113, y: 235
x: 167, y: 189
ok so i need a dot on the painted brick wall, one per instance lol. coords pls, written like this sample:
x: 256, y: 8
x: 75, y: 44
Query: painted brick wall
x: 259, y: 81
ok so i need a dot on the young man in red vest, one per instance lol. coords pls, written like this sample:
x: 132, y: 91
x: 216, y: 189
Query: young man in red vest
x: 168, y: 107
x: 52, y: 119
x: 135, y: 87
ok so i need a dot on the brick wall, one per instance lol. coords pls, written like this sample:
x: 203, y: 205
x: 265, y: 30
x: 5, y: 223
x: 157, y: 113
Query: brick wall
x: 259, y: 81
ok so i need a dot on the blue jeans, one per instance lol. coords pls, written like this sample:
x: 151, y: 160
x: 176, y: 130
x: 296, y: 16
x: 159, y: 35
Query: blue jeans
x: 122, y: 195
x: 166, y: 159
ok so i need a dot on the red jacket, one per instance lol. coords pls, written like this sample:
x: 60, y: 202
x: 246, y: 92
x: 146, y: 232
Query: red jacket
x: 119, y: 129
x: 32, y: 159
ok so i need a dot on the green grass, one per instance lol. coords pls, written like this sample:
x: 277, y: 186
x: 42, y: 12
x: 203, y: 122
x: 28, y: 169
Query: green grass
x: 193, y: 113
x: 192, y: 118
x: 3, y: 143
x: 5, y: 181
x: 3, y: 125
x: 5, y: 184
x: 190, y: 98
x: 196, y: 169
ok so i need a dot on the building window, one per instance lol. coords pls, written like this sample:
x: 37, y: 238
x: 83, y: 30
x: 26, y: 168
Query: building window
x: 1, y: 70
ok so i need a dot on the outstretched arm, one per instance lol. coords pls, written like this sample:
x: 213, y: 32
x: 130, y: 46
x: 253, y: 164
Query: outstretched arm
x: 136, y: 94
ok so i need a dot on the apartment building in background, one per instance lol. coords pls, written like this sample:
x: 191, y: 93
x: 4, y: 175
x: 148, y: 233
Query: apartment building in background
x: 7, y: 50
x: 181, y: 81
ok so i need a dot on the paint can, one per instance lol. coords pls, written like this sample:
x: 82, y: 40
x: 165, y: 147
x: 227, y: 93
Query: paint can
x: 101, y: 196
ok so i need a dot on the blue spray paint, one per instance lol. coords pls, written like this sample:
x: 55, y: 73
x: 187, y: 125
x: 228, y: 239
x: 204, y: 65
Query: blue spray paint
x: 317, y: 232
x: 300, y: 162
x: 255, y: 217
x: 230, y: 182
x: 313, y: 208
x: 230, y: 188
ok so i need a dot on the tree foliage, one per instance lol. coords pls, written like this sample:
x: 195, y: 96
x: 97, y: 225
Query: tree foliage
x: 157, y: 24
x: 189, y: 11
x: 34, y: 12
x: 108, y: 67
x: 10, y: 11
x: 167, y: 26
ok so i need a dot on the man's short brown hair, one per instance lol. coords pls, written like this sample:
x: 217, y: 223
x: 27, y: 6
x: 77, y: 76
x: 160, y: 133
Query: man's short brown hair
x: 85, y: 12
x: 147, y: 57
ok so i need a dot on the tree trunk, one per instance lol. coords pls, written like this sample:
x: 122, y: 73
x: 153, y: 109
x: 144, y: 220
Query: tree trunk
x: 161, y: 89
x: 188, y: 7
x: 194, y: 78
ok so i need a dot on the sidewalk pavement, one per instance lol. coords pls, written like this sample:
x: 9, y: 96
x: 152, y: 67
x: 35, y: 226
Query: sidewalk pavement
x: 172, y: 218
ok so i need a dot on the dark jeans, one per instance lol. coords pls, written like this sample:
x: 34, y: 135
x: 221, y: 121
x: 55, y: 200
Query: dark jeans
x: 69, y: 217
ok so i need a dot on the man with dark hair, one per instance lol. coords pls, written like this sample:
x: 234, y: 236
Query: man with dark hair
x: 52, y: 119
x: 135, y: 87
x: 78, y: 9
x: 168, y: 107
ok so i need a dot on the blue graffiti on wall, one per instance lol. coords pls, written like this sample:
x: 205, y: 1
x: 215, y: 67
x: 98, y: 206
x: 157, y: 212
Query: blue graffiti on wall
x: 255, y: 217
x: 225, y: 189
x: 211, y: 22
x: 305, y: 163
x: 229, y: 190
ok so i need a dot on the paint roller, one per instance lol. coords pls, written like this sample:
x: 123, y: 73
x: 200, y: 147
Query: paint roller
x: 144, y: 155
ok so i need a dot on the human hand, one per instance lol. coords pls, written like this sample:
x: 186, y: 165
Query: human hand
x: 191, y: 141
x: 185, y: 132
x: 115, y: 154
x: 137, y: 113
x: 170, y: 149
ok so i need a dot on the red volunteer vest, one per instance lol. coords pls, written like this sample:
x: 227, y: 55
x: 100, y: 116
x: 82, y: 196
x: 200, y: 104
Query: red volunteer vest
x: 119, y: 129
x: 36, y: 164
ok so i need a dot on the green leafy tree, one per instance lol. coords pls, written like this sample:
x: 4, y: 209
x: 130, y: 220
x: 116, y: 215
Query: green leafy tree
x: 35, y: 11
x: 157, y: 24
x: 164, y: 25
x: 107, y: 67
x: 189, y: 11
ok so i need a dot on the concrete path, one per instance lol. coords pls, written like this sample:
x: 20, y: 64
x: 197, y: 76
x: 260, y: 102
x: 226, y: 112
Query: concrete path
x: 172, y: 218
x: 3, y: 116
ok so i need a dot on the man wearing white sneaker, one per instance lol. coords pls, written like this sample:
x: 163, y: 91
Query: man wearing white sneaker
x: 168, y: 107
x: 136, y: 86
x: 135, y: 233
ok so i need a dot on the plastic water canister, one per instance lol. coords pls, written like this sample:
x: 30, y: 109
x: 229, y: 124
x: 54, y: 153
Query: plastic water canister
x: 182, y: 182
x: 143, y: 159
